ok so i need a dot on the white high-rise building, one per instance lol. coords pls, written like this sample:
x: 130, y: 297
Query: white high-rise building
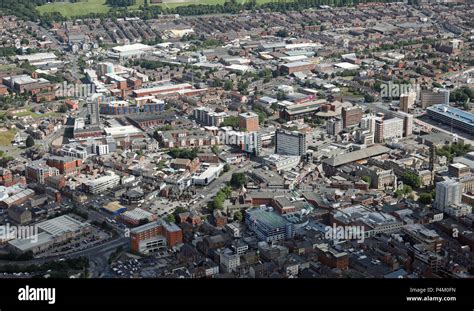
x: 388, y: 129
x: 93, y: 112
x: 447, y: 193
x: 290, y: 143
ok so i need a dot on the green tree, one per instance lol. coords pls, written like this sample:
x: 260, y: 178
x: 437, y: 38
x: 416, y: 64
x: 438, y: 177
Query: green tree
x: 62, y: 108
x: 30, y: 142
x: 226, y: 167
x: 170, y: 218
x: 282, y: 33
x: 228, y: 85
x: 411, y: 179
x: 369, y: 98
x: 367, y: 179
x: 425, y: 198
x: 238, y: 216
x: 215, y: 149
x: 238, y: 180
x: 232, y: 121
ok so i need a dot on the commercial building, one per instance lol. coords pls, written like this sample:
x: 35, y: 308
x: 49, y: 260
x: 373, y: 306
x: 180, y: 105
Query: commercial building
x: 458, y: 170
x: 185, y: 164
x: 50, y: 232
x: 447, y: 193
x: 290, y: 142
x: 121, y: 107
x: 38, y: 171
x: 19, y: 214
x: 374, y: 222
x: 451, y: 116
x: 279, y: 163
x: 229, y: 260
x: 388, y: 129
x: 17, y: 198
x: 330, y: 164
x: 434, y: 97
x: 65, y: 165
x: 249, y: 121
x: 39, y: 89
x: 417, y: 233
x: 301, y: 110
x: 155, y: 236
x: 134, y: 217
x: 130, y: 51
x: 164, y: 89
x: 133, y: 196
x: 207, y: 175
x: 114, y: 208
x: 351, y: 116
x: 300, y: 66
x: 148, y: 121
x: 102, y: 184
x: 268, y: 226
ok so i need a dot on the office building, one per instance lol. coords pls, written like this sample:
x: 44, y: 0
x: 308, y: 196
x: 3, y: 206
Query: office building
x: 430, y: 98
x: 301, y: 110
x: 388, y: 129
x: 102, y: 184
x: 249, y: 121
x: 93, y: 112
x: 268, y: 225
x: 458, y: 170
x: 65, y: 165
x: 407, y: 101
x: 447, y: 193
x: 155, y: 236
x: 279, y: 162
x: 334, y: 126
x: 229, y: 260
x: 351, y: 116
x: 290, y: 142
x: 38, y: 171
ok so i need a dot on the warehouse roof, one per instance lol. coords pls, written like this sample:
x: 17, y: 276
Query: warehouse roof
x: 356, y: 155
x: 61, y: 225
x: 267, y: 218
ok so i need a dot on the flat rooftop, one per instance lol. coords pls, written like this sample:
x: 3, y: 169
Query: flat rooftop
x: 61, y: 225
x: 454, y: 113
x: 356, y: 155
x: 268, y: 218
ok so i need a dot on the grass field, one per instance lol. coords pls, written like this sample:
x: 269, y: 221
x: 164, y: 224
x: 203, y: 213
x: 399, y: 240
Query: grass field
x: 7, y: 67
x: 68, y: 9
x: 35, y: 115
x: 85, y: 7
x: 6, y: 137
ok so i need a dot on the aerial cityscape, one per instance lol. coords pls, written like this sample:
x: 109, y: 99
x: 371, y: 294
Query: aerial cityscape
x: 236, y: 139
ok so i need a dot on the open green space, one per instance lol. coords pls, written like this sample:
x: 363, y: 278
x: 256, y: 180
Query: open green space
x: 68, y: 9
x: 35, y: 115
x: 6, y: 137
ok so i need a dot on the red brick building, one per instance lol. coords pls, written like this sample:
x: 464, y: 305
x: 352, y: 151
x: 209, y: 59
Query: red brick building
x: 249, y: 121
x: 65, y: 165
x: 155, y: 236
